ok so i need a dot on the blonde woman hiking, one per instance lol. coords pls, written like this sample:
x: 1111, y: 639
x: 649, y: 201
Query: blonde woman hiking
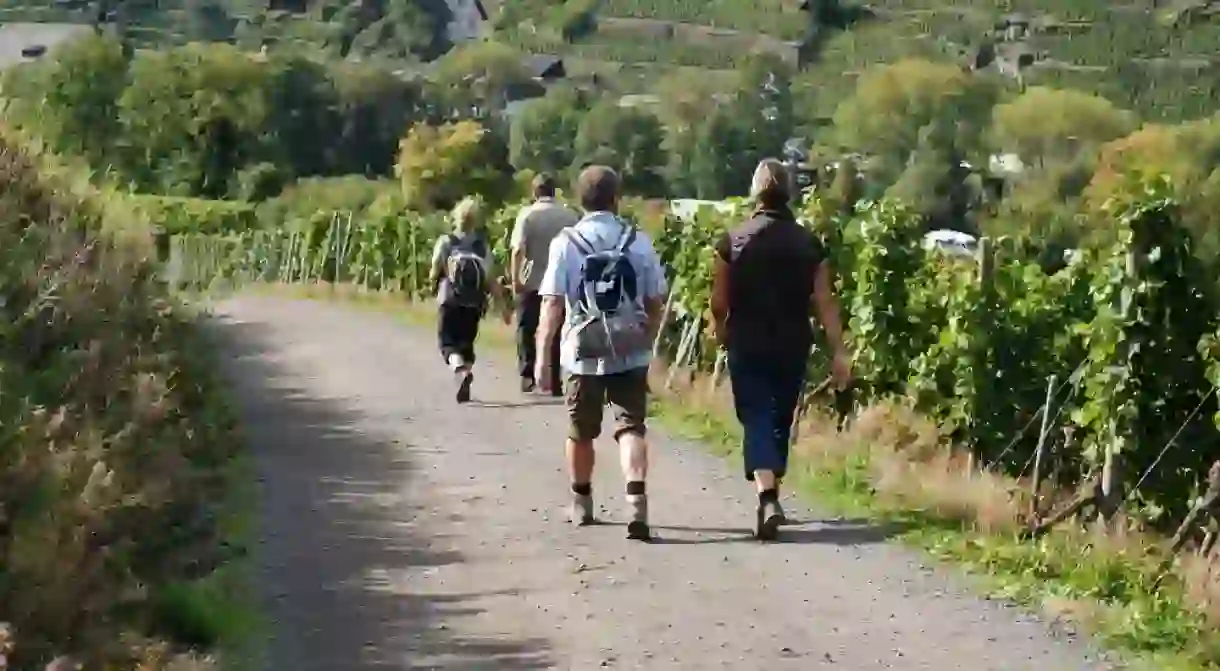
x: 463, y: 273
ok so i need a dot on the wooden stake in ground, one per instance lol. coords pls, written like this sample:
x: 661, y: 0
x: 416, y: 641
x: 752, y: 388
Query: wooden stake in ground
x: 665, y: 315
x: 684, y: 347
x: 1205, y: 507
x: 1034, y: 499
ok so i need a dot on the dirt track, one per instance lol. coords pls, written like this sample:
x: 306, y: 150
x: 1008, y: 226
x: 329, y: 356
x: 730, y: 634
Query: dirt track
x: 401, y: 531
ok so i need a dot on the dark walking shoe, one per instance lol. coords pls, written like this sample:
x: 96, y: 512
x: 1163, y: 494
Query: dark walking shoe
x: 527, y: 385
x: 637, y: 528
x: 767, y: 521
x: 581, y: 510
x: 465, y: 379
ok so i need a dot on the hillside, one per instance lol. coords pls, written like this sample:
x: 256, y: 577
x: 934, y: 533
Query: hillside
x: 396, y: 30
x: 1163, y: 63
x: 1160, y: 61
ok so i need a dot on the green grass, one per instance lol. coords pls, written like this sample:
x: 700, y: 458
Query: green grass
x: 1100, y: 587
x: 222, y: 612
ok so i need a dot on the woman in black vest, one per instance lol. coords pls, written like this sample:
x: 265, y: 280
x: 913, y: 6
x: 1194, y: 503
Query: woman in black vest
x: 770, y: 276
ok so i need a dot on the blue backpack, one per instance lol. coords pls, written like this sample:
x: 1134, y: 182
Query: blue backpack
x: 608, y: 321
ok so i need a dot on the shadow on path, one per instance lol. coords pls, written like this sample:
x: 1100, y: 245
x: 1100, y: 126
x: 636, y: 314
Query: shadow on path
x: 830, y: 532
x: 343, y: 527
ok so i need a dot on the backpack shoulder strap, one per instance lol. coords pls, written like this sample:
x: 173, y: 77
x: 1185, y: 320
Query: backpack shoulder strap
x: 627, y: 240
x: 578, y: 240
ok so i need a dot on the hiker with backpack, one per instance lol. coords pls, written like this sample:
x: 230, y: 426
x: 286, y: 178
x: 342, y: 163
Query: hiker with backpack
x: 770, y: 278
x: 462, y: 271
x: 605, y: 287
x: 536, y: 226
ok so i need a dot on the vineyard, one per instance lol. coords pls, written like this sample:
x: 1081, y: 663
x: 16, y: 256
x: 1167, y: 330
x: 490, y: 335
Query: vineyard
x: 1098, y: 377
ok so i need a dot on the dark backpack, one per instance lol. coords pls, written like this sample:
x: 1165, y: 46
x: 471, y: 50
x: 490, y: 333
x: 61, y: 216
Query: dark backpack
x: 608, y: 322
x: 466, y: 271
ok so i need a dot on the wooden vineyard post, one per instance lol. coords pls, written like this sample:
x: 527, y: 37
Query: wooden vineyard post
x: 718, y: 368
x: 685, y: 345
x: 414, y: 251
x: 1110, y: 497
x: 986, y: 260
x: 1038, y: 452
x: 665, y: 314
x: 717, y: 372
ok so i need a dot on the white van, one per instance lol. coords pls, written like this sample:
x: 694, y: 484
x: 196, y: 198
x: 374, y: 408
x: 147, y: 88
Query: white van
x: 955, y: 243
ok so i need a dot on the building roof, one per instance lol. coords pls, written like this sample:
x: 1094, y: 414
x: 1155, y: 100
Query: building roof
x: 546, y: 66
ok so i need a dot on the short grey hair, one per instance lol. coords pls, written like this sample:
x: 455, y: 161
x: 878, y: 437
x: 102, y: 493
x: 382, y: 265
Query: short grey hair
x: 769, y: 186
x: 465, y: 215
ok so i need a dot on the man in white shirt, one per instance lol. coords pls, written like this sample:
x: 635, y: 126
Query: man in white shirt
x: 537, y: 225
x: 604, y: 260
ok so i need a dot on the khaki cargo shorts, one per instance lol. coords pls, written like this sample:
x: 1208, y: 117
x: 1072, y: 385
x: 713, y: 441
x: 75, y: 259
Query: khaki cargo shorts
x: 627, y: 394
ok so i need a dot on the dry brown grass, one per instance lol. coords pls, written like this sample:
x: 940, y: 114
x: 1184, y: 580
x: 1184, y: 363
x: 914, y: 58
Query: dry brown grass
x: 1201, y: 576
x: 910, y: 463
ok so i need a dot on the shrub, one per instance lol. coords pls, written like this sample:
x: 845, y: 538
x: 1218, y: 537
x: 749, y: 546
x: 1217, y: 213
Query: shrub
x: 195, y: 215
x: 114, y: 448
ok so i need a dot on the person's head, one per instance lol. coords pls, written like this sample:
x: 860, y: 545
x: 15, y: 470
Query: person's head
x: 769, y: 187
x: 598, y: 189
x: 544, y: 186
x: 465, y: 215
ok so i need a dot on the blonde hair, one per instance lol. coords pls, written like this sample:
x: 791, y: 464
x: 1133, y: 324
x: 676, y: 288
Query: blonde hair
x: 769, y: 186
x: 466, y: 214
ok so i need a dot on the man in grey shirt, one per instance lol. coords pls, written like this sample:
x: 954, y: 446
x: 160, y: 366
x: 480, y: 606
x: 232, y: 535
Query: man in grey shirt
x: 537, y: 224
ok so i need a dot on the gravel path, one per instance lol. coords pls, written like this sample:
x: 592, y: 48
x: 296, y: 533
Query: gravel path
x: 401, y: 531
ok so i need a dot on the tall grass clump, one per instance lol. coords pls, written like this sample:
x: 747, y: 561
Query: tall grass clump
x: 116, y: 454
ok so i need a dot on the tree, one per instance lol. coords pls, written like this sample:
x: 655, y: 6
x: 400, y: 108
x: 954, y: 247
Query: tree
x: 375, y: 109
x: 1189, y: 154
x: 305, y: 116
x: 686, y: 103
x: 627, y: 139
x: 1046, y: 124
x: 477, y: 79
x: 192, y: 117
x: 764, y: 103
x: 543, y: 133
x: 893, y: 104
x: 71, y: 98
x: 207, y: 21
x: 438, y: 165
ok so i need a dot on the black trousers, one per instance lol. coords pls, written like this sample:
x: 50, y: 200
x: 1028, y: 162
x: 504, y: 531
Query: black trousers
x: 529, y: 309
x: 457, y: 329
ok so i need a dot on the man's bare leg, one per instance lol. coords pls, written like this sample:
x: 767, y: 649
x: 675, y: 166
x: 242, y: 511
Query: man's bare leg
x: 633, y: 455
x: 581, y: 459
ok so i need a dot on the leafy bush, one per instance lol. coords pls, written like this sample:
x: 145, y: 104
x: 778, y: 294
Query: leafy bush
x: 438, y: 165
x: 115, y: 450
x: 195, y: 215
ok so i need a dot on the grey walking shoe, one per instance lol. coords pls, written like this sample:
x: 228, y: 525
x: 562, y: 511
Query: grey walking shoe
x: 465, y: 379
x: 637, y: 527
x: 767, y: 521
x: 581, y: 510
